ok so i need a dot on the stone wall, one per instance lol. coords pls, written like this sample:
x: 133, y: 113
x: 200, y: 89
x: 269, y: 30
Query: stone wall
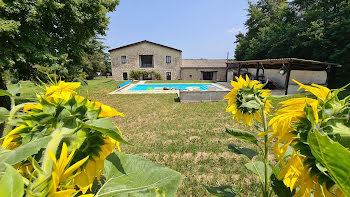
x: 132, y: 54
x: 202, y: 96
x: 196, y: 73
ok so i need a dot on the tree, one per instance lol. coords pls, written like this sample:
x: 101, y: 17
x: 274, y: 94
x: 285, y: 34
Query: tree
x: 96, y: 59
x: 315, y: 29
x: 54, y: 34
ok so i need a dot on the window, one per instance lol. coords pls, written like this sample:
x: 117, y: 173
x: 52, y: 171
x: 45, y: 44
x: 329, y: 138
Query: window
x: 191, y: 76
x: 168, y: 75
x: 123, y: 59
x: 125, y: 76
x: 168, y: 59
x: 146, y: 61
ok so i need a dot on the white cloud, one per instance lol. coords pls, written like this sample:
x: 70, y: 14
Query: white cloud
x: 235, y: 30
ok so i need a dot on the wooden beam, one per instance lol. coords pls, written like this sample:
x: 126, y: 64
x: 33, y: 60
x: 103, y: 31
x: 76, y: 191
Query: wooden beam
x: 286, y: 83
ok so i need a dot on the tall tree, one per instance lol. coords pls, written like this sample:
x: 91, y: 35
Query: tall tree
x: 50, y: 33
x: 96, y: 59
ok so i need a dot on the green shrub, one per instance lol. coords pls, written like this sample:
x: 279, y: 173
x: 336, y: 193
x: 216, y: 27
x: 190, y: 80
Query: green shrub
x: 135, y: 74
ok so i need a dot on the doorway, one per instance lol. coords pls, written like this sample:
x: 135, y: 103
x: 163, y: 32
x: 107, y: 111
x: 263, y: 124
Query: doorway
x: 125, y: 76
x: 208, y: 75
x: 168, y: 75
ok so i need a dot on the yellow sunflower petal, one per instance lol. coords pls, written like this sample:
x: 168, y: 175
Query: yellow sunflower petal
x: 82, y: 181
x: 74, y: 167
x: 29, y: 107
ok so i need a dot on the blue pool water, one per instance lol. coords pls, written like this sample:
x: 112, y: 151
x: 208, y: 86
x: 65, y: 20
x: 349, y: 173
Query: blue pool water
x: 172, y: 87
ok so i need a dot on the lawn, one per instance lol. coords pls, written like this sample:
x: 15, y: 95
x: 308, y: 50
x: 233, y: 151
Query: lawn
x: 186, y: 137
x: 180, y: 81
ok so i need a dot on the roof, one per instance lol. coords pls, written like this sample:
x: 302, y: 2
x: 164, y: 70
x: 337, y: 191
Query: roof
x: 203, y: 63
x: 144, y: 41
x: 294, y: 63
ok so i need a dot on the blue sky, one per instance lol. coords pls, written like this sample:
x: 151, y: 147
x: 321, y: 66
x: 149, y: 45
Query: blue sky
x: 200, y: 28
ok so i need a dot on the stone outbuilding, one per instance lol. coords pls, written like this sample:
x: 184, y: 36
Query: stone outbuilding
x: 203, y: 69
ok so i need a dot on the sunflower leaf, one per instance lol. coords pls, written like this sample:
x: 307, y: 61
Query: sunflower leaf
x: 243, y: 135
x: 131, y: 175
x: 252, y: 104
x: 5, y: 93
x: 243, y: 152
x: 14, y: 89
x: 11, y: 183
x: 3, y: 114
x: 22, y: 152
x: 258, y: 168
x: 328, y: 152
x: 105, y: 126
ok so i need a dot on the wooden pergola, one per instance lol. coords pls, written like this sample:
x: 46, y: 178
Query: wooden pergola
x: 287, y: 64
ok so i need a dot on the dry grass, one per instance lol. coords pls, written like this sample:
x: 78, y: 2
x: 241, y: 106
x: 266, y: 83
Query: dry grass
x: 186, y: 137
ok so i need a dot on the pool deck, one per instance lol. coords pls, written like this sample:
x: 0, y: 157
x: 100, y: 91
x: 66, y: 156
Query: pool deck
x: 126, y: 89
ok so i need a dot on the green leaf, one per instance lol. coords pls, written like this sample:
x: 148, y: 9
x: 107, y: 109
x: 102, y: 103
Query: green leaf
x: 241, y: 151
x: 3, y: 114
x: 341, y: 128
x: 11, y: 184
x: 279, y: 188
x: 14, y: 89
x: 5, y: 93
x: 258, y: 168
x: 243, y: 135
x: 22, y: 152
x: 136, y: 176
x: 105, y: 126
x: 334, y: 157
x: 222, y: 191
x: 252, y: 104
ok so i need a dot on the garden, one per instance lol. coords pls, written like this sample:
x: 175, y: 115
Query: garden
x: 212, y: 153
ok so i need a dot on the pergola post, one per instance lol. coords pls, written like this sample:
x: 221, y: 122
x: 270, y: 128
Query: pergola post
x: 257, y: 71
x: 239, y: 70
x: 330, y: 75
x: 286, y: 83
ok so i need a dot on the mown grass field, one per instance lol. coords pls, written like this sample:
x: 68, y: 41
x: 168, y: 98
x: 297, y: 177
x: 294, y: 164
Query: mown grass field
x: 186, y: 137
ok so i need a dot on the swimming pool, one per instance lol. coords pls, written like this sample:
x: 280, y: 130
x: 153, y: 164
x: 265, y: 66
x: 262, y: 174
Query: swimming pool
x: 154, y: 87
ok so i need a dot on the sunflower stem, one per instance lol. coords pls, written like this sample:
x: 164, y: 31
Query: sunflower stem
x: 51, y: 147
x: 266, y: 153
x: 14, y: 110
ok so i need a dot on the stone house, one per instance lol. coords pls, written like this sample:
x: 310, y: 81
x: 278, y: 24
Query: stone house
x: 167, y: 61
x: 147, y: 56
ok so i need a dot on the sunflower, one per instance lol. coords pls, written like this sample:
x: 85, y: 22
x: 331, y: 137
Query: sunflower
x: 62, y: 183
x: 94, y: 167
x: 62, y: 86
x: 91, y: 147
x: 244, y: 101
x: 290, y: 128
x: 12, y: 140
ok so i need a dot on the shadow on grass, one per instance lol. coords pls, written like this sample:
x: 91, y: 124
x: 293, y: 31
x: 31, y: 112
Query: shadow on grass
x: 177, y: 99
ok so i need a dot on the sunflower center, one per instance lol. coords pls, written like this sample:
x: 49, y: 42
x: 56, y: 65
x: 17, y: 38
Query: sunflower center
x: 247, y: 100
